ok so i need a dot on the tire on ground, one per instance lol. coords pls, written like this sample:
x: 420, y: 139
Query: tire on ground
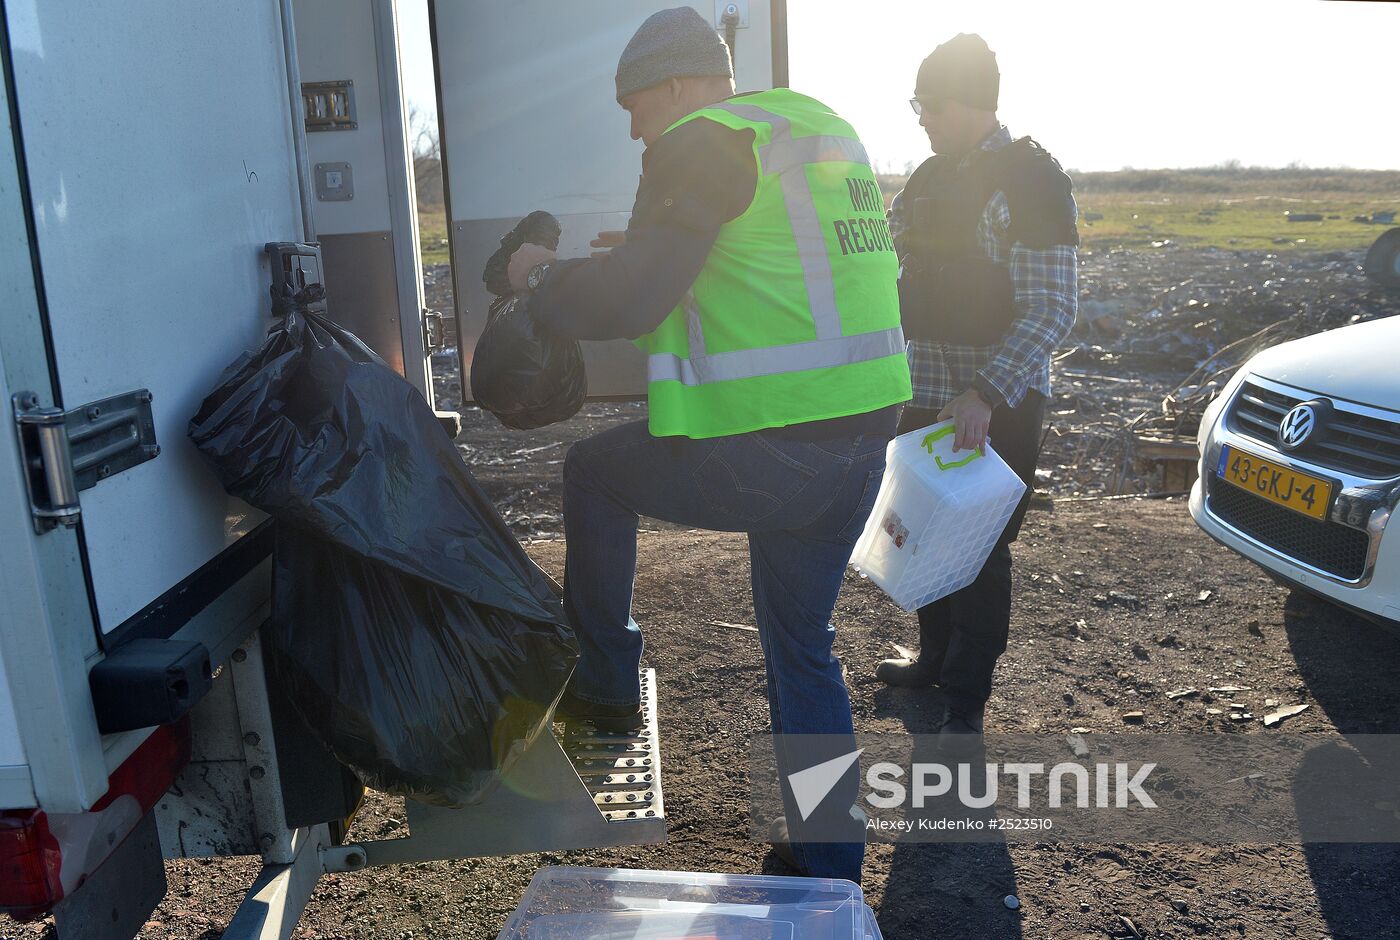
x: 1383, y: 260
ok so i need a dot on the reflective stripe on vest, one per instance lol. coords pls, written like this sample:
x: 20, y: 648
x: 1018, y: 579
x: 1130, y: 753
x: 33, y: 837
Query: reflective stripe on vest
x: 775, y: 360
x: 788, y: 157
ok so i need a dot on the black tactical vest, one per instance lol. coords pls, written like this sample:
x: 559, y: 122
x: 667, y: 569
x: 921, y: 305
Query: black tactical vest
x: 949, y: 291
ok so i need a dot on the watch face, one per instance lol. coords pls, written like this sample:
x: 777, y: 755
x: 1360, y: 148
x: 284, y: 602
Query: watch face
x: 536, y: 275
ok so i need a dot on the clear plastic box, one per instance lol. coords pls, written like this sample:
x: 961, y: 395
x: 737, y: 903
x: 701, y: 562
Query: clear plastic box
x: 625, y: 904
x: 936, y: 518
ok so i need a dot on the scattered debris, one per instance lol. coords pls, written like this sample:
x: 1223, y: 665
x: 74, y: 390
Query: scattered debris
x: 1077, y: 744
x: 1241, y: 716
x: 1254, y: 629
x: 1012, y: 902
x: 1133, y: 717
x: 904, y: 652
x: 732, y: 626
x: 1130, y: 927
x: 1158, y: 336
x: 1181, y: 693
x: 1204, y: 596
x: 1127, y: 600
x: 1274, y: 718
x: 1230, y: 688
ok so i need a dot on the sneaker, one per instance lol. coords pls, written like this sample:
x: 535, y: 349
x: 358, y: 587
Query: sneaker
x: 781, y: 843
x: 610, y: 719
x: 906, y: 674
x: 780, y: 839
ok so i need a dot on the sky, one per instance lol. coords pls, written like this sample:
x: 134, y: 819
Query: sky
x: 1102, y: 85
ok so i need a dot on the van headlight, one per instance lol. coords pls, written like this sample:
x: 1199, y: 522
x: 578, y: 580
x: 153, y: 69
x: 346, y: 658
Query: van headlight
x: 1213, y: 410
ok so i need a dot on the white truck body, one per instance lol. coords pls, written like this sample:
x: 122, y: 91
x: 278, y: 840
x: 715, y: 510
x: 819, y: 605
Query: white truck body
x: 148, y: 153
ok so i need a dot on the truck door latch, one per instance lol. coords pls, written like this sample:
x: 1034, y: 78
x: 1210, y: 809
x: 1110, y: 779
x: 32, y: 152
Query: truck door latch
x: 432, y: 329
x: 66, y: 452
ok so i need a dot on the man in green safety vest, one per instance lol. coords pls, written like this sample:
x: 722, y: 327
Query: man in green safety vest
x: 758, y: 275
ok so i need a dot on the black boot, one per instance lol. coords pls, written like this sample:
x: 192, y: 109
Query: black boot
x: 610, y: 719
x: 959, y: 720
x: 906, y: 674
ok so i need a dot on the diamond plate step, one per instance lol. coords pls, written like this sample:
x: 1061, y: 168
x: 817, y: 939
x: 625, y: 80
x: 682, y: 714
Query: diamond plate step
x: 621, y: 771
x: 575, y: 789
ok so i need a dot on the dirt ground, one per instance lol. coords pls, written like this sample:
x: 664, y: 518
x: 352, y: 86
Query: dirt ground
x: 1108, y: 618
x: 1075, y: 660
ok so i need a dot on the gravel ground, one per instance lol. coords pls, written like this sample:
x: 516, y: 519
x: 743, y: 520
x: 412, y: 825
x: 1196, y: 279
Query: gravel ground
x: 1074, y: 661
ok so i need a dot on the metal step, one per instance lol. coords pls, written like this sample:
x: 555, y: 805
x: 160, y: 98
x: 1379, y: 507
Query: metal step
x: 622, y: 771
x: 574, y: 789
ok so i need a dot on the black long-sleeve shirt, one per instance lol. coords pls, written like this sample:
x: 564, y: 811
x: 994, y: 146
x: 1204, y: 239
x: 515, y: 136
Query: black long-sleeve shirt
x: 695, y: 178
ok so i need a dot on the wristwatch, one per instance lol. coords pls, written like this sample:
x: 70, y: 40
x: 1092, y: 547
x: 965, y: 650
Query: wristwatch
x: 535, y: 278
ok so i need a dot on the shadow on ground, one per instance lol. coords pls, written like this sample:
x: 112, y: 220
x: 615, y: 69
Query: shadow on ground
x: 1352, y: 670
x: 953, y: 889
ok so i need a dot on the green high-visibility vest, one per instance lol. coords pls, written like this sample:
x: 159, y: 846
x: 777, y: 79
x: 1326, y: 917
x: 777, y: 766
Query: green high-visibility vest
x: 795, y: 316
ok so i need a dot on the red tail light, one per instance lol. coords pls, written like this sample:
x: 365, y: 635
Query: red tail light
x: 34, y: 844
x: 29, y: 864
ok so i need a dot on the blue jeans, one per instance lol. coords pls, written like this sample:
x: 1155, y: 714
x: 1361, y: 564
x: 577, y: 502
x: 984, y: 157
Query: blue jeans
x: 803, y: 505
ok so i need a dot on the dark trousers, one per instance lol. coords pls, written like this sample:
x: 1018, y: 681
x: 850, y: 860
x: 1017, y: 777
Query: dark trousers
x: 962, y: 635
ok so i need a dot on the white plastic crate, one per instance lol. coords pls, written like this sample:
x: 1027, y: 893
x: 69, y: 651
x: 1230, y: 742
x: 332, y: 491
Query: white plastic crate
x: 936, y: 518
x: 574, y: 903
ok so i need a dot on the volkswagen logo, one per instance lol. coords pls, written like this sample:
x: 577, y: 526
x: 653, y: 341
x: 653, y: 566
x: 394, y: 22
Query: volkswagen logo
x: 1297, y: 426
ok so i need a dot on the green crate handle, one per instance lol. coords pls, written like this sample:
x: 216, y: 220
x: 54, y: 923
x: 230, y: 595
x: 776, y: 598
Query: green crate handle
x: 938, y: 435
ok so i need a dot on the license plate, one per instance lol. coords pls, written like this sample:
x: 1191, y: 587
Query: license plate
x: 1300, y: 492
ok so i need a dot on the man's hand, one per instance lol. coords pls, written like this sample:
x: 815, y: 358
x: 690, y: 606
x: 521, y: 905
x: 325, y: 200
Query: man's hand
x: 607, y: 241
x: 971, y: 417
x: 525, y: 258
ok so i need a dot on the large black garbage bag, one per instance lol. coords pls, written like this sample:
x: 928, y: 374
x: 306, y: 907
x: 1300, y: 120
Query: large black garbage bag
x: 525, y: 377
x: 411, y: 630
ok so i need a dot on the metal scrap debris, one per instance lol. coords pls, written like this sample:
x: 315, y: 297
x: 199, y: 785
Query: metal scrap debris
x: 1273, y: 718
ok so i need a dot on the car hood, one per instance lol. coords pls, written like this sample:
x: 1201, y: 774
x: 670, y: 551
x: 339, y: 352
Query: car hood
x: 1359, y: 363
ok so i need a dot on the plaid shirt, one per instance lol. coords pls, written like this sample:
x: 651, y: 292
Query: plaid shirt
x: 1046, y: 284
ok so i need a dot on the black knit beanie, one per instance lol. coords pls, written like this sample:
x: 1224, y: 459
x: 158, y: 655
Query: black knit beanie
x: 962, y: 69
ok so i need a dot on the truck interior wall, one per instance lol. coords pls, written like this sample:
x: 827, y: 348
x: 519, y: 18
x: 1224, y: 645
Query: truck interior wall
x: 368, y: 241
x: 153, y: 196
x: 535, y: 124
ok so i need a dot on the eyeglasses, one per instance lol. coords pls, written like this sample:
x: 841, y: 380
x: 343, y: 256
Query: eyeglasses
x: 932, y: 105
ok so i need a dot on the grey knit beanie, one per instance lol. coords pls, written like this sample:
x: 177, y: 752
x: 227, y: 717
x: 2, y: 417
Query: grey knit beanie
x: 675, y: 43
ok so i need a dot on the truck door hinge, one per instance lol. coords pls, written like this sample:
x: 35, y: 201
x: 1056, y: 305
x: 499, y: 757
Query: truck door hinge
x: 66, y: 452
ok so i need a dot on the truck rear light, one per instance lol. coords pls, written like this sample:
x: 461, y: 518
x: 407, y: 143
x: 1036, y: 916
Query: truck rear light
x: 44, y: 857
x: 29, y: 864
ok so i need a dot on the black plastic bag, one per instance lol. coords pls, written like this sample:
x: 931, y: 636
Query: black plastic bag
x: 523, y: 376
x: 410, y: 629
